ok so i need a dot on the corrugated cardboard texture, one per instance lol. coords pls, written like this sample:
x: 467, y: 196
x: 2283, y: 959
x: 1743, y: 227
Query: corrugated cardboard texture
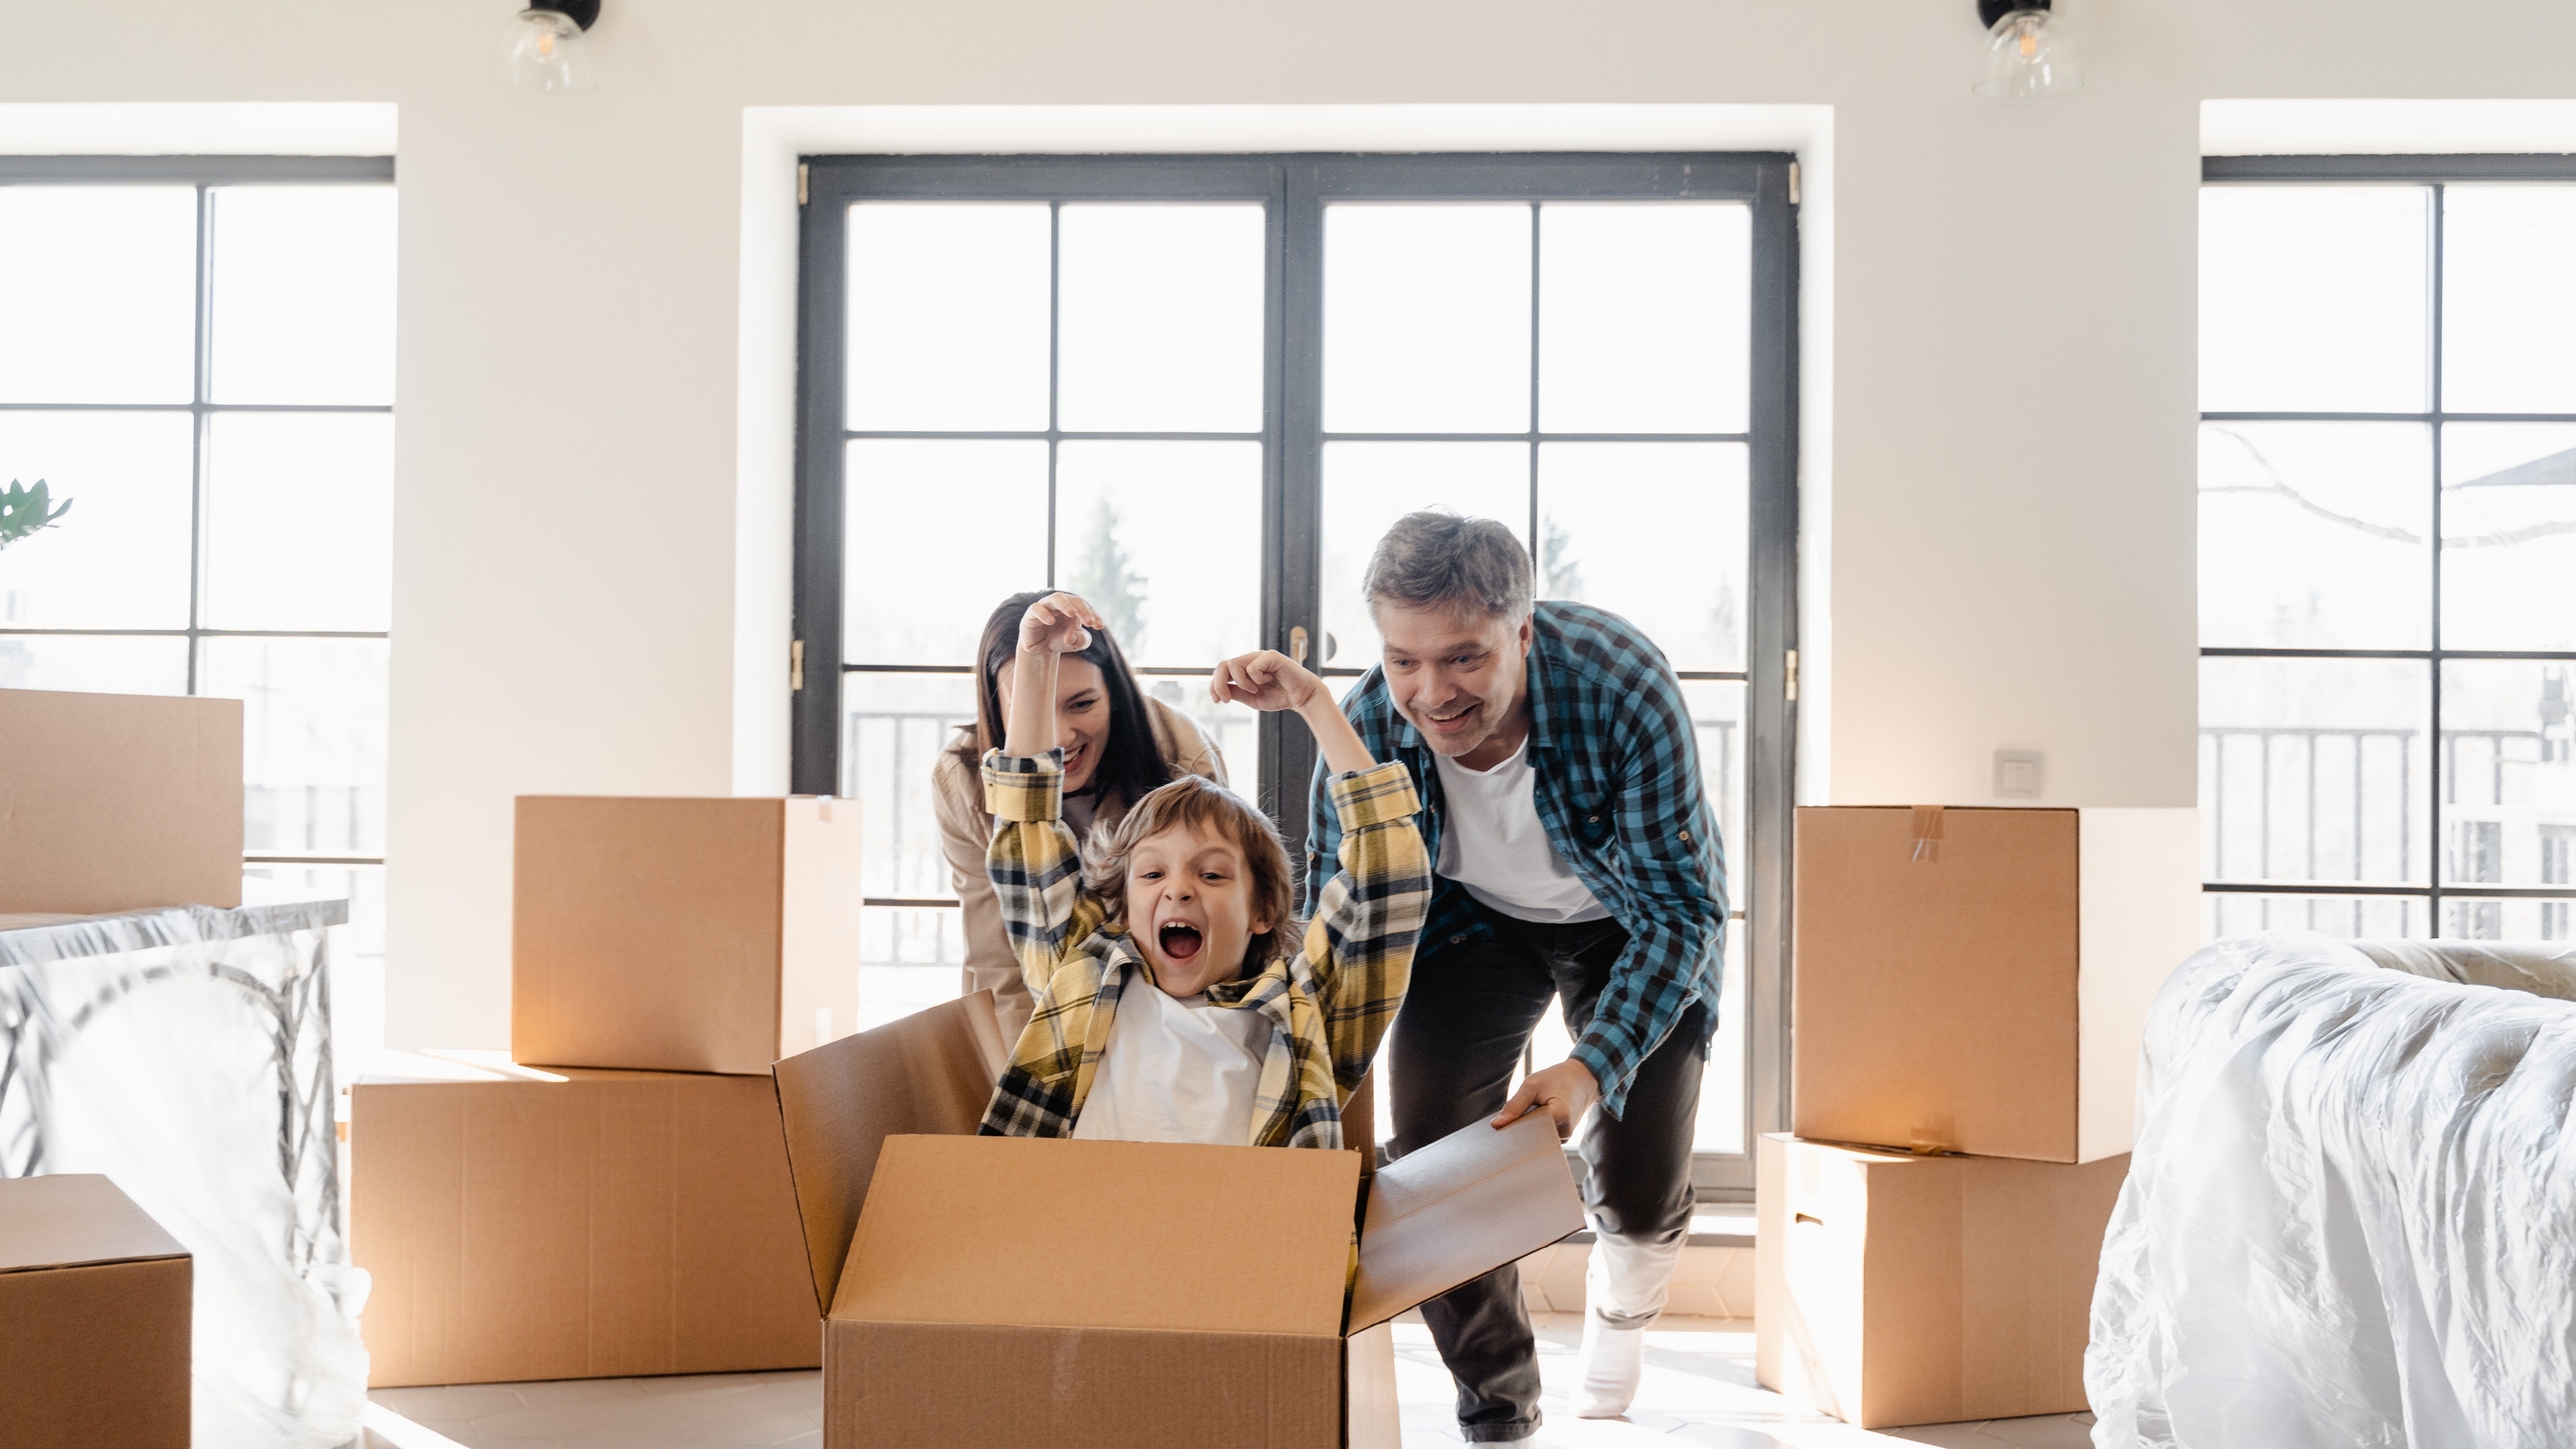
x: 645, y: 933
x: 1896, y: 1290
x: 1372, y: 1416
x: 930, y: 1073
x: 1103, y: 1235
x: 939, y: 1386
x: 1463, y: 1205
x: 1934, y: 1000
x: 613, y: 1224
x: 818, y: 923
x: 94, y: 1319
x: 118, y: 802
x: 2141, y: 903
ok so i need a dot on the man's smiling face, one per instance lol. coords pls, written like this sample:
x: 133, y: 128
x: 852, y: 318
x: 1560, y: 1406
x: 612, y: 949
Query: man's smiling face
x: 1460, y: 678
x: 1190, y: 909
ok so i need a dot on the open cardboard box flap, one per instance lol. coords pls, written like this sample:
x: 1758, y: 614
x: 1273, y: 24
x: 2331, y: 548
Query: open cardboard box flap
x: 934, y: 1225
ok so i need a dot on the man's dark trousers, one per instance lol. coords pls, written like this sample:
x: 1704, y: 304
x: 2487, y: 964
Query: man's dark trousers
x: 1465, y: 1023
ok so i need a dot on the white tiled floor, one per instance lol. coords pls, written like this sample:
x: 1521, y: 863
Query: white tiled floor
x: 1699, y: 1390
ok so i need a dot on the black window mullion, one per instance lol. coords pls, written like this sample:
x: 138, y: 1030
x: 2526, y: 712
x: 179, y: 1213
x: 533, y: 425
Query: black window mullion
x: 822, y: 348
x: 2436, y: 771
x: 1293, y: 521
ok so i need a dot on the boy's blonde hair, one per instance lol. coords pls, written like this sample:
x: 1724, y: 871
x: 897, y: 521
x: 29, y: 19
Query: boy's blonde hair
x: 1194, y: 801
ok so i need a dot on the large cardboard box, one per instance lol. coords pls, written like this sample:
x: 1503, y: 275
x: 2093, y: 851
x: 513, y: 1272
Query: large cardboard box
x: 118, y: 802
x: 683, y: 935
x: 1975, y: 980
x: 1894, y: 1289
x: 94, y: 1305
x: 575, y: 1224
x: 1119, y: 1295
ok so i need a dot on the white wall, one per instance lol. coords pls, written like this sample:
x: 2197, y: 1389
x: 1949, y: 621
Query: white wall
x: 589, y: 549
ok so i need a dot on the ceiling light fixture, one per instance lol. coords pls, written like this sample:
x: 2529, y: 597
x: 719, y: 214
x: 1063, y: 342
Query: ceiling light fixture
x: 2027, y: 57
x: 542, y: 48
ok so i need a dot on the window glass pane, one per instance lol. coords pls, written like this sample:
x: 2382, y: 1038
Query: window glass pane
x: 2508, y: 299
x: 948, y: 317
x: 313, y: 739
x: 98, y: 293
x: 1162, y: 317
x: 102, y: 665
x: 1426, y: 319
x: 2313, y: 769
x: 2509, y: 536
x: 1233, y: 728
x: 119, y: 557
x: 893, y: 729
x: 2312, y: 298
x: 2509, y: 771
x: 304, y: 294
x: 2468, y: 918
x: 299, y: 520
x: 1643, y: 317
x: 908, y: 959
x: 1653, y: 532
x: 2312, y: 535
x: 2352, y: 918
x: 1368, y: 486
x: 1721, y: 1088
x: 1165, y: 540
x: 937, y: 533
x: 1718, y: 723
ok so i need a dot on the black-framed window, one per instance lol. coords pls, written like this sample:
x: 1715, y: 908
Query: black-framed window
x: 1197, y: 388
x: 2388, y: 545
x: 201, y: 359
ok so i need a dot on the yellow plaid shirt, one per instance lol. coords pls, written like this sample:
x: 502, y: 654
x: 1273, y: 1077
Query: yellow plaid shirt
x: 1329, y: 1005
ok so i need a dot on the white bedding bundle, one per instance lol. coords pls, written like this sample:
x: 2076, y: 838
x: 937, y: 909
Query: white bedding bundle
x: 2351, y: 1217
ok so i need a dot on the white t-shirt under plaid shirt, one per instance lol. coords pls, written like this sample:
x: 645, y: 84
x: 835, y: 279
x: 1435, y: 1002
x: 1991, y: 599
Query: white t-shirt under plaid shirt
x: 1176, y: 1071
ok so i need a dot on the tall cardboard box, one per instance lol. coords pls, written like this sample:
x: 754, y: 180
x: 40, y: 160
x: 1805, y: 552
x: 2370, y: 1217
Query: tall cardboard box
x: 1894, y: 1289
x: 575, y: 1224
x: 118, y: 802
x: 1085, y: 1295
x: 682, y: 935
x: 94, y: 1307
x: 1975, y: 980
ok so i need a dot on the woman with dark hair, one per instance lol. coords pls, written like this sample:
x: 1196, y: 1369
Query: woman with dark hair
x: 1118, y: 743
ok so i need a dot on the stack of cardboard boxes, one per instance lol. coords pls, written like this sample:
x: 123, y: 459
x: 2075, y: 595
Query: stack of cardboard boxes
x: 614, y: 1199
x: 1969, y: 991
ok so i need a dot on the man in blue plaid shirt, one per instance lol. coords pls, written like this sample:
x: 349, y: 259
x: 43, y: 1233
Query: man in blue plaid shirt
x: 1575, y: 858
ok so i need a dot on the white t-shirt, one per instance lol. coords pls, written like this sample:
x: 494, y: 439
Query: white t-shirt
x: 1176, y: 1071
x: 1493, y: 843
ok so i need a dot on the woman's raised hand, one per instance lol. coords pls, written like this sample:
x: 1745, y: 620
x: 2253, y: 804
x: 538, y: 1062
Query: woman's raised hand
x: 1060, y: 623
x: 1264, y: 679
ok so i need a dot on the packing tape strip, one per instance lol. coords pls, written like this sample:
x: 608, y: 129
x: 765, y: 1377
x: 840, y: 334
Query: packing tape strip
x: 1927, y: 833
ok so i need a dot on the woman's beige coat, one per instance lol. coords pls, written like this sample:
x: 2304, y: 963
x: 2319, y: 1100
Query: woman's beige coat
x: 966, y: 832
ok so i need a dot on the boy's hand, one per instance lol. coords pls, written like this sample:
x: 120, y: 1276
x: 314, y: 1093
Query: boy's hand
x: 1264, y: 679
x: 1058, y: 624
x: 1565, y: 1092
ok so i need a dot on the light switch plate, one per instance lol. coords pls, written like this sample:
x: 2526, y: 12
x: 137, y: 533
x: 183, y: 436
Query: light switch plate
x: 2017, y: 775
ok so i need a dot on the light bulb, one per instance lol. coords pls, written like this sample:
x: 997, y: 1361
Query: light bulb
x: 542, y: 50
x: 2027, y: 58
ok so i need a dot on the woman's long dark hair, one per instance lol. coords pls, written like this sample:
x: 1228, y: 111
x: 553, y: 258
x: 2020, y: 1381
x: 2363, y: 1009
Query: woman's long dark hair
x: 1130, y: 762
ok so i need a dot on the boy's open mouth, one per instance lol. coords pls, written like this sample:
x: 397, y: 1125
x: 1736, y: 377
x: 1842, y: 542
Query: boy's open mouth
x: 1179, y: 942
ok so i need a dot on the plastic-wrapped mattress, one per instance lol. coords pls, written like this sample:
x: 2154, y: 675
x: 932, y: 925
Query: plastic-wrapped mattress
x: 2351, y: 1215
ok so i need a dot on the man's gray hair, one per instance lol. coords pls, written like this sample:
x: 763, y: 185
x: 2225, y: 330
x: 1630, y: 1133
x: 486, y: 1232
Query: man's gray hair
x: 1437, y: 558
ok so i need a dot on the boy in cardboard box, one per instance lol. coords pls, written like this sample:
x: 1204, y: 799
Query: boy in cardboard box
x: 1177, y: 999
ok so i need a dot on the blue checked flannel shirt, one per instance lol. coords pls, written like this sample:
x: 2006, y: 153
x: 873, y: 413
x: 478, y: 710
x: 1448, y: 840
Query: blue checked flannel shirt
x: 1619, y: 792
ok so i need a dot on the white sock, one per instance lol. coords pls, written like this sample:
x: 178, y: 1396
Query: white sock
x: 1613, y: 1361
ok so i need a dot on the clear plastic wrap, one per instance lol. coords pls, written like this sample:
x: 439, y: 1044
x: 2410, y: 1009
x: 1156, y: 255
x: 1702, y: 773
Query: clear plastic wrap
x: 2350, y: 1218
x: 186, y: 1055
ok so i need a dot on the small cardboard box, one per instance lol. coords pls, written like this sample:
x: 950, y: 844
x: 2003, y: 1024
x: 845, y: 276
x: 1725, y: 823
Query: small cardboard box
x: 993, y: 1290
x: 1892, y: 1289
x: 682, y: 935
x: 94, y: 1306
x: 1976, y: 980
x: 118, y: 802
x: 578, y: 1224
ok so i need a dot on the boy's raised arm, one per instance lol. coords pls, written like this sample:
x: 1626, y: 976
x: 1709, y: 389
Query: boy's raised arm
x: 1369, y: 916
x: 1034, y: 864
